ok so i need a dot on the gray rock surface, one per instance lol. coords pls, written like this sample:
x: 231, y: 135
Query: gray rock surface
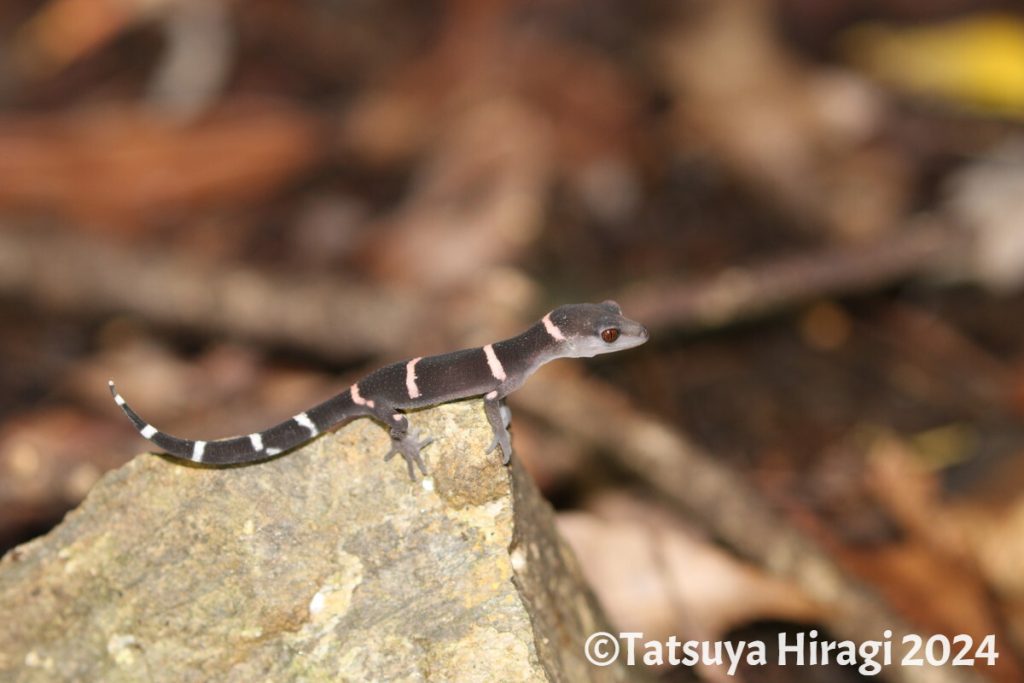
x: 322, y: 565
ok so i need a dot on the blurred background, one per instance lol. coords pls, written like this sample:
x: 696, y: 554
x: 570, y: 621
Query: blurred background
x: 235, y: 208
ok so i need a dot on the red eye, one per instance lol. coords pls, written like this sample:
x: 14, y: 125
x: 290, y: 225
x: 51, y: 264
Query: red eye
x: 610, y: 335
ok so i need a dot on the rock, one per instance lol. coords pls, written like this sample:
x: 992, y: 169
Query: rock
x: 322, y: 565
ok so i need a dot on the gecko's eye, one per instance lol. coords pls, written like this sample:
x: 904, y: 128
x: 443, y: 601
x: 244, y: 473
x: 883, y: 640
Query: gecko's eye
x: 610, y: 334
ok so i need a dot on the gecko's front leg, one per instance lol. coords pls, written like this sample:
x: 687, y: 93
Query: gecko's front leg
x: 499, y: 416
x: 404, y: 441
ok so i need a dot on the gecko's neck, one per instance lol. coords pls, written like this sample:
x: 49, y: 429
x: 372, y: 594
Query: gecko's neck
x: 530, y: 350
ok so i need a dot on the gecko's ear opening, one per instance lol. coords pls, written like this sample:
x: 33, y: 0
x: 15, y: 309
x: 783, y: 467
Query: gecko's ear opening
x: 608, y: 303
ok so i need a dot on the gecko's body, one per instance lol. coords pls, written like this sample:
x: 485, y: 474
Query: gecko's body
x: 492, y: 371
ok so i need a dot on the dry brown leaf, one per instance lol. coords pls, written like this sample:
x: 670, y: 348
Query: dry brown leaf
x: 120, y: 164
x: 932, y: 575
x: 798, y: 135
x: 996, y: 541
x: 479, y: 203
x: 48, y: 461
x: 988, y: 522
x: 484, y: 57
x: 655, y: 575
x: 63, y: 31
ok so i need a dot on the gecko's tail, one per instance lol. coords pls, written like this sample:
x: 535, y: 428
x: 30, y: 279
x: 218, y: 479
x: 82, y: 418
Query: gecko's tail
x: 241, y: 449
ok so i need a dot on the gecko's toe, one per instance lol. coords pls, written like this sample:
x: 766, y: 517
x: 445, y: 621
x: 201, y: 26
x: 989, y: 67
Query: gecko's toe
x: 506, y: 447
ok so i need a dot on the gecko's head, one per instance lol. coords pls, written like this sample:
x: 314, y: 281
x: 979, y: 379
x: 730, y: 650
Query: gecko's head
x: 592, y: 329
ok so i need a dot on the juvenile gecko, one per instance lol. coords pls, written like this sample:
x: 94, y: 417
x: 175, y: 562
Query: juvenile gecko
x: 492, y: 371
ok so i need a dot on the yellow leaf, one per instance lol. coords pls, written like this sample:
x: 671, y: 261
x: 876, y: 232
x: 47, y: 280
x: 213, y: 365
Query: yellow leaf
x: 977, y: 62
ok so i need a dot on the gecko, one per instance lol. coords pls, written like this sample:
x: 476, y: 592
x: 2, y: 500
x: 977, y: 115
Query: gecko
x: 492, y: 371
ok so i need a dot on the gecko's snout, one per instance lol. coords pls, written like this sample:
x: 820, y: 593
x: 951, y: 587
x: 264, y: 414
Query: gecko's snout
x: 633, y: 334
x: 642, y: 335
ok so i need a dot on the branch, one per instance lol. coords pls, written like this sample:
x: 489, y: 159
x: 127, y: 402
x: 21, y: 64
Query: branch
x: 328, y: 316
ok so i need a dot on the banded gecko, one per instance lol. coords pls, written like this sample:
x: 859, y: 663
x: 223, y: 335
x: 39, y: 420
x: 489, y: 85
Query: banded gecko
x: 492, y: 371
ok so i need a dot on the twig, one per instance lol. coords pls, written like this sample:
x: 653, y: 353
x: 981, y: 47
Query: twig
x: 746, y: 292
x: 328, y: 316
